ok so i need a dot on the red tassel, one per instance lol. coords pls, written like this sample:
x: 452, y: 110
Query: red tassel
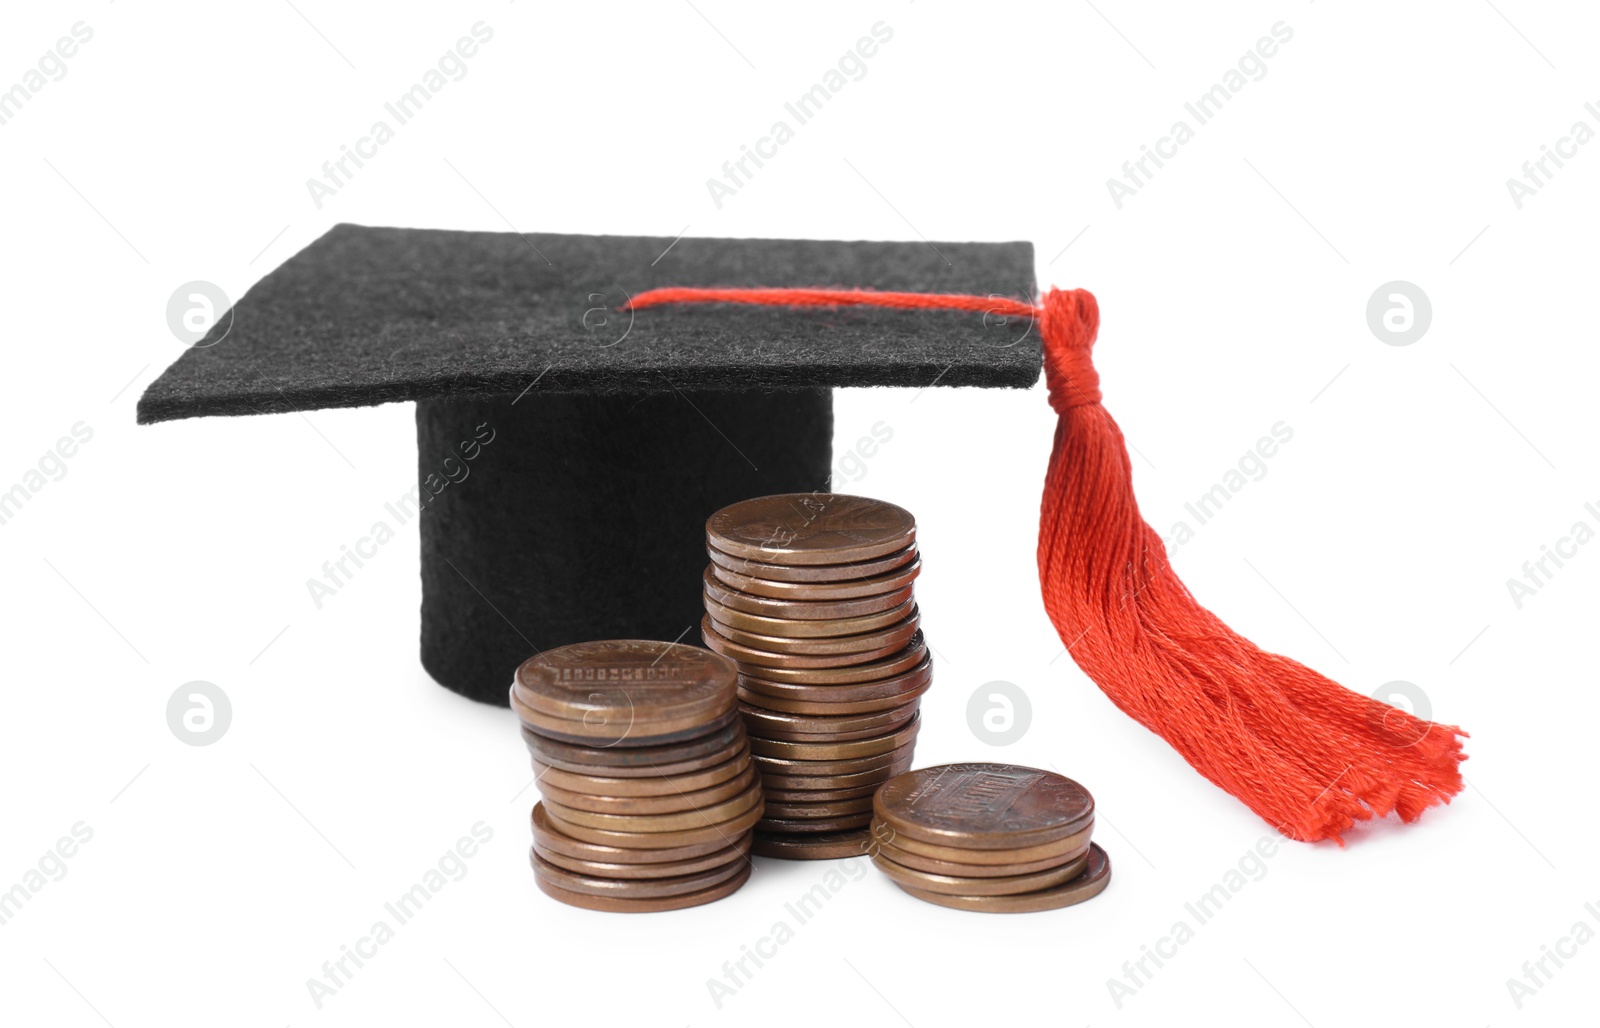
x: 1302, y: 751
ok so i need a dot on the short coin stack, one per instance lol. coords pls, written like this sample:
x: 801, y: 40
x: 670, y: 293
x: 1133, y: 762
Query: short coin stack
x: 649, y: 796
x: 811, y: 594
x: 989, y: 837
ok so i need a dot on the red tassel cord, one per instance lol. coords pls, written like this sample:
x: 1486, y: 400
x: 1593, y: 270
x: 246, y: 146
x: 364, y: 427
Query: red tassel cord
x: 1308, y: 755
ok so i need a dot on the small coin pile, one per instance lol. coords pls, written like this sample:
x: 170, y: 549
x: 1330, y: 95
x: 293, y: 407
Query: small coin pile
x: 989, y: 837
x: 649, y: 796
x: 811, y: 595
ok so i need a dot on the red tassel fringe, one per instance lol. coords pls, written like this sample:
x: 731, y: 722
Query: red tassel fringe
x: 1308, y: 755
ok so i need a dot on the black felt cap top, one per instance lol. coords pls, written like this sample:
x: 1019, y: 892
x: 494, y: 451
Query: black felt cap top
x: 372, y: 315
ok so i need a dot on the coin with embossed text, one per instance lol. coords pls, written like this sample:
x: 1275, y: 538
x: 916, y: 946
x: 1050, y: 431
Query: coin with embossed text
x: 847, y: 589
x: 802, y: 610
x: 964, y: 870
x: 983, y: 806
x: 784, y: 766
x: 633, y: 905
x: 675, y: 821
x: 818, y: 808
x: 1092, y: 881
x: 811, y: 528
x: 799, y: 628
x: 620, y: 681
x: 609, y: 785
x: 962, y: 885
x: 812, y: 572
x: 748, y: 655
x: 548, y: 835
x: 851, y: 842
x: 667, y: 803
x: 893, y: 637
x: 774, y: 724
x: 840, y: 750
x: 635, y: 888
x: 892, y: 686
x: 830, y: 706
x: 1048, y: 851
x: 659, y: 869
x: 718, y: 744
x: 726, y: 831
x: 814, y: 824
x: 624, y: 732
x: 821, y: 782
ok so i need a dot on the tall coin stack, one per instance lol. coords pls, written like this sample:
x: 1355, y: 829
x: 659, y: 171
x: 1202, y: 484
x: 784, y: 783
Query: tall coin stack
x: 649, y: 796
x: 989, y: 837
x: 811, y: 594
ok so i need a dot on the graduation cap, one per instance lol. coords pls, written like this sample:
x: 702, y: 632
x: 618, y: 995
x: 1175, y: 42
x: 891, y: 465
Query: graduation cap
x: 631, y: 386
x: 569, y: 452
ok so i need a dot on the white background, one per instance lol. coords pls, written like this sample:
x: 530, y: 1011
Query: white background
x: 1233, y: 289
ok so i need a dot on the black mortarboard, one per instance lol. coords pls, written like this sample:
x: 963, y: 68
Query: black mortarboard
x: 569, y: 452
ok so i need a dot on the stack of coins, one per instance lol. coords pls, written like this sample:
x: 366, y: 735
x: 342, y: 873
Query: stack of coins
x: 649, y: 796
x: 811, y: 594
x: 989, y: 837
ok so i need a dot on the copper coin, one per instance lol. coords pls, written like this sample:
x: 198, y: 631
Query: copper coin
x: 750, y: 655
x: 669, y: 785
x: 794, y: 628
x: 628, y: 732
x: 724, y: 832
x: 811, y: 572
x: 635, y: 733
x: 799, y: 783
x: 785, y: 766
x: 824, y: 808
x: 634, y: 888
x: 811, y: 528
x: 1051, y: 852
x: 816, y: 795
x: 954, y: 885
x: 773, y: 724
x: 845, y: 750
x: 621, y: 681
x: 801, y: 610
x: 833, y: 707
x: 955, y: 869
x: 552, y: 838
x: 665, y: 869
x: 671, y: 803
x: 984, y: 806
x: 1090, y: 883
x: 562, y: 754
x: 814, y: 824
x: 880, y: 687
x: 626, y: 905
x: 675, y: 821
x: 908, y: 659
x: 820, y: 846
x: 894, y: 636
x: 848, y: 589
x: 880, y: 641
x: 737, y: 750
